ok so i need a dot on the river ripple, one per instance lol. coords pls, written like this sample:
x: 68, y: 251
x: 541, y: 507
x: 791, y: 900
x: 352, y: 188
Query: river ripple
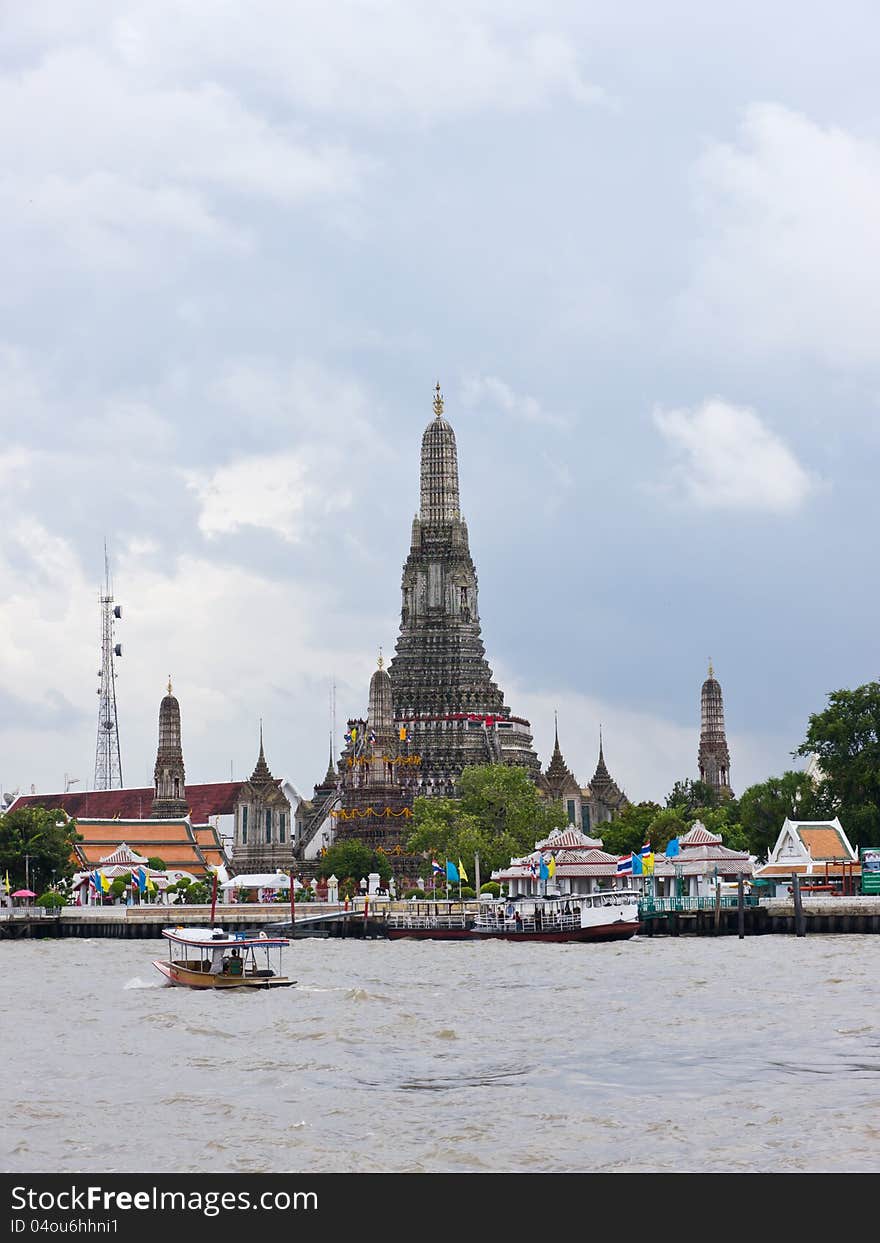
x: 653, y: 1054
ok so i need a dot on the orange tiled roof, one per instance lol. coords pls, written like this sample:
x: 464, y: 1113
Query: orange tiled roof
x: 179, y: 858
x: 786, y: 869
x: 824, y: 843
x: 173, y: 840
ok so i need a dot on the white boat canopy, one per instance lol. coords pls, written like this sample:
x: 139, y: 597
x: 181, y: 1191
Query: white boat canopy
x: 264, y: 880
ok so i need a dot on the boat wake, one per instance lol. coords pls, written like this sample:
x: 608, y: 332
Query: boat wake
x: 137, y: 982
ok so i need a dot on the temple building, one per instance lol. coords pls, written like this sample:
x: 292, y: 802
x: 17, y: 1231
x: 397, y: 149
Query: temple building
x: 189, y: 824
x: 263, y: 829
x: 713, y: 757
x: 585, y: 806
x: 379, y: 777
x: 444, y: 698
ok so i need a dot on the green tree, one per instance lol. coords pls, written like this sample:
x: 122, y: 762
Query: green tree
x: 156, y: 864
x: 630, y: 828
x: 46, y: 837
x: 118, y: 887
x: 690, y: 796
x: 498, y: 813
x: 845, y: 739
x: 763, y: 808
x: 352, y: 859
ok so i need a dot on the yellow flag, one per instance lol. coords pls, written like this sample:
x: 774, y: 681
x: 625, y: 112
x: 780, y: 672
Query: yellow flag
x: 551, y: 866
x: 8, y: 886
x: 462, y: 873
x: 648, y: 864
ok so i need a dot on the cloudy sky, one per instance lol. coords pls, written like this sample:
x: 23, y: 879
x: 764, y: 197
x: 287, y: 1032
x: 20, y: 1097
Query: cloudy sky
x: 637, y: 243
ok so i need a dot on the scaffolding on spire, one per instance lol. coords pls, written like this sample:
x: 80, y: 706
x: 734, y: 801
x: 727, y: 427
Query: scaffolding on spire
x: 108, y: 755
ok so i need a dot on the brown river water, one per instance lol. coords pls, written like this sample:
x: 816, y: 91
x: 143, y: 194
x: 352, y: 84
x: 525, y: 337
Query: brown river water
x: 654, y: 1054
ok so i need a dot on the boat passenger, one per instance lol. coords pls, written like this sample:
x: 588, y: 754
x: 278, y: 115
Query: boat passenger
x: 235, y: 964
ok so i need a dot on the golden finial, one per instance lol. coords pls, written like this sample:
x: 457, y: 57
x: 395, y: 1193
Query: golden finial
x: 381, y: 661
x: 711, y: 670
x: 169, y: 684
x: 438, y: 401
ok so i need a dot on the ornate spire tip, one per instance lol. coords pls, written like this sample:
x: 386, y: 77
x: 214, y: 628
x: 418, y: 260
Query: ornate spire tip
x: 170, y: 692
x: 438, y: 401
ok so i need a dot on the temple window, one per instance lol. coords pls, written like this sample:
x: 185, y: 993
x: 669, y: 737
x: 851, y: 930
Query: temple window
x: 585, y: 813
x: 177, y: 787
x: 572, y: 814
x: 244, y: 826
x: 281, y: 827
x: 268, y: 826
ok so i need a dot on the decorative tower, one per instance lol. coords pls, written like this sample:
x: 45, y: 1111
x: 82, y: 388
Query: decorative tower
x: 379, y: 780
x: 108, y: 756
x: 714, y: 757
x: 169, y: 789
x: 444, y: 698
x: 558, y: 782
x: 603, y: 797
x: 262, y: 841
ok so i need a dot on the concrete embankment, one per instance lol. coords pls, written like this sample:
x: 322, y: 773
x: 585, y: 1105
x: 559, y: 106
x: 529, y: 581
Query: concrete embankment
x: 772, y: 915
x: 313, y: 919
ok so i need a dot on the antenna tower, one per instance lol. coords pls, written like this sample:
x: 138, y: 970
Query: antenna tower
x: 108, y: 756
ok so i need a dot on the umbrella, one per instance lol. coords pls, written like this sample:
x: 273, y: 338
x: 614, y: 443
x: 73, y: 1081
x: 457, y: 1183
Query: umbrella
x: 24, y: 893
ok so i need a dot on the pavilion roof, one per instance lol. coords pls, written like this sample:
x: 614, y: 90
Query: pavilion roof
x: 560, y: 839
x: 699, y: 835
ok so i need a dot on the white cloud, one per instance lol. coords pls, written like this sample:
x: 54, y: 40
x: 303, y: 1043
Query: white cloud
x: 726, y: 458
x: 790, y: 253
x: 489, y: 390
x: 276, y: 492
x: 393, y: 61
x: 112, y: 155
x: 238, y: 644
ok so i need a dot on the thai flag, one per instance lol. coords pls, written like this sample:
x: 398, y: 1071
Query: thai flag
x: 625, y: 865
x: 646, y: 849
x: 435, y: 866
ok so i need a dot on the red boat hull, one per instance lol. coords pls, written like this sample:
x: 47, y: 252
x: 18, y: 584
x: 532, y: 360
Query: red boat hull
x: 619, y: 931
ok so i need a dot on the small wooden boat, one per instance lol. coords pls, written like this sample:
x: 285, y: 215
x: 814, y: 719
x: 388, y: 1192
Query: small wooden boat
x: 212, y: 958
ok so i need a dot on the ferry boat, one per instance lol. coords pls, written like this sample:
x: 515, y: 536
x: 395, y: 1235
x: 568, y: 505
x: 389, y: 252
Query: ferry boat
x: 212, y: 958
x: 607, y: 915
x: 428, y: 922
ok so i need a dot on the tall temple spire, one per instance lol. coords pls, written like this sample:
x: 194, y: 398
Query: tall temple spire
x: 713, y: 756
x: 380, y: 712
x: 439, y: 501
x: 441, y: 681
x: 169, y: 787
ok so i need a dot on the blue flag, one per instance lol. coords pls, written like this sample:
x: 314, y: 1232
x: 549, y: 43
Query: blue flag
x: 637, y: 865
x: 672, y: 848
x: 141, y: 880
x: 451, y: 871
x: 543, y: 870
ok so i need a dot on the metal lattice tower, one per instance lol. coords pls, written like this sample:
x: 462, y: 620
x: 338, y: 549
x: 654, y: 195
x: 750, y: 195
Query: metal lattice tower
x: 108, y: 756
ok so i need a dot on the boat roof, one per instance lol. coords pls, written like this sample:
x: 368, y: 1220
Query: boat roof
x: 209, y: 937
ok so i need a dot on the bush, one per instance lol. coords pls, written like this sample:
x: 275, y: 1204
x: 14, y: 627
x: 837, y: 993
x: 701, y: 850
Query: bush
x: 156, y: 864
x: 466, y: 892
x: 413, y: 893
x: 196, y: 892
x: 50, y: 900
x: 118, y: 887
